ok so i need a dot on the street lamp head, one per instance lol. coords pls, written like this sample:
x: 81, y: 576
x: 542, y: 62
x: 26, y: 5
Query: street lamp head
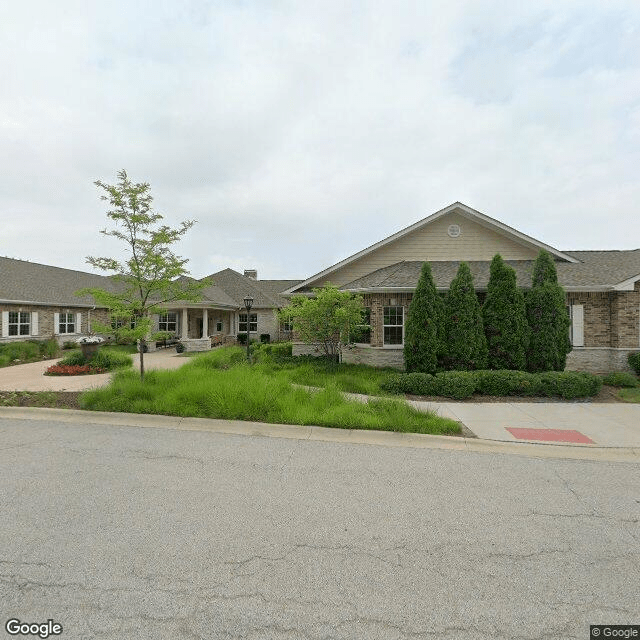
x: 248, y: 302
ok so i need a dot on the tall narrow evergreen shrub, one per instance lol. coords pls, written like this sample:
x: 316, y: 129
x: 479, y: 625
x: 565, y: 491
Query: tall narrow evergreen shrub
x: 423, y: 327
x: 505, y: 321
x: 547, y: 317
x: 465, y: 345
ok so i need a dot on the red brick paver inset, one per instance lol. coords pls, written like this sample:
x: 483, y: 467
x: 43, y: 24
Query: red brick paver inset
x: 550, y: 435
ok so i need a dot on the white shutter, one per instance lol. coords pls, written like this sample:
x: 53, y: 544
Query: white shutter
x: 78, y: 323
x: 56, y: 323
x: 577, y: 318
x: 5, y: 324
x: 34, y: 323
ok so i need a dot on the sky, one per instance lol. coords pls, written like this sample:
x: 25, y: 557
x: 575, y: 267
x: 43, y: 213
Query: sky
x: 298, y: 133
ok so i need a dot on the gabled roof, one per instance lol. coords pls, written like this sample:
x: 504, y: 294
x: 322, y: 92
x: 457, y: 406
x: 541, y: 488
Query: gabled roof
x: 597, y: 270
x: 265, y: 293
x: 458, y: 207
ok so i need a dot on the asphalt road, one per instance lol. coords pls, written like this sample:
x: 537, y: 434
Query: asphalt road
x: 124, y: 532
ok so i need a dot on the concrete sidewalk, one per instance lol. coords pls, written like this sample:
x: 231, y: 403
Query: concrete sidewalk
x: 30, y: 377
x: 606, y: 425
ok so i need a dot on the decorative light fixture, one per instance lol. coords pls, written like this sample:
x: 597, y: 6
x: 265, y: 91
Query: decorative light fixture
x: 248, y: 303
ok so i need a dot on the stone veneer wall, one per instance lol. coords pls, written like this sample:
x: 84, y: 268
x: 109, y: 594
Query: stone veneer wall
x: 45, y: 321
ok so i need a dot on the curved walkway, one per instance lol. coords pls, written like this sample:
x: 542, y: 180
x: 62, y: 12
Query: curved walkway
x: 30, y: 377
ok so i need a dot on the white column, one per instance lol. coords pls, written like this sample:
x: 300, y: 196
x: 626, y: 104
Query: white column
x: 185, y: 325
x: 205, y: 323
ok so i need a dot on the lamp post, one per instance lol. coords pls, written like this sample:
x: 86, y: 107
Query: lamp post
x: 248, y: 303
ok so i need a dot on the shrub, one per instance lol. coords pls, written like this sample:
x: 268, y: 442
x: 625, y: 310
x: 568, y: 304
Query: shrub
x: 423, y: 328
x: 50, y: 348
x: 465, y: 343
x: 455, y: 384
x: 75, y: 358
x: 241, y: 338
x: 620, y: 379
x: 180, y: 348
x: 265, y: 338
x: 507, y: 382
x: 103, y: 359
x: 634, y: 361
x: 548, y: 318
x: 504, y: 317
x: 569, y: 384
x: 461, y: 384
x: 69, y: 344
x: 273, y: 350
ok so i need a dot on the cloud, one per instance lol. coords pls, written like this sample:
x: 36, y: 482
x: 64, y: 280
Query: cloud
x: 299, y: 134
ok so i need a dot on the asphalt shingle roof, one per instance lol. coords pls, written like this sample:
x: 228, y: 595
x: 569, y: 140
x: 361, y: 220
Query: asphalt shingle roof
x: 595, y: 269
x: 32, y: 282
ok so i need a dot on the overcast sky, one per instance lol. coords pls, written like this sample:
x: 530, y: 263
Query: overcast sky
x: 297, y: 133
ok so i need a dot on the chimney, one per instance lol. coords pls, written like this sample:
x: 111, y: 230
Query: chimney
x: 251, y: 273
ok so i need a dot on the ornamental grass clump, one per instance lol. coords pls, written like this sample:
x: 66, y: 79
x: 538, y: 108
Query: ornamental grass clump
x: 243, y: 392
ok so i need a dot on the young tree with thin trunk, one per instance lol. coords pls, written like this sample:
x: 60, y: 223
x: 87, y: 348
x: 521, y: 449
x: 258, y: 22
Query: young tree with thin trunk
x: 423, y: 330
x: 151, y: 275
x: 504, y: 318
x: 465, y: 345
x: 325, y: 319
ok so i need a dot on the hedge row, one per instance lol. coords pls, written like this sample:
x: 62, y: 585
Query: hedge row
x: 462, y: 384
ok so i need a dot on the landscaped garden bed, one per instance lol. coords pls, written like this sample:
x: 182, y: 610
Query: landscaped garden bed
x: 76, y: 363
x: 22, y: 352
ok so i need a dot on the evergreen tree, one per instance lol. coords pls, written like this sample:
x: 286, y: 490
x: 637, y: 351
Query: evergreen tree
x: 547, y: 317
x: 505, y: 320
x: 423, y: 328
x: 465, y: 343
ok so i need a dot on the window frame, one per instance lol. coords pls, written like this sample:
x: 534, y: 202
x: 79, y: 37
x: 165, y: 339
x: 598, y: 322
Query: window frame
x: 387, y: 325
x: 164, y: 319
x: 253, y: 322
x: 63, y: 321
x: 19, y: 323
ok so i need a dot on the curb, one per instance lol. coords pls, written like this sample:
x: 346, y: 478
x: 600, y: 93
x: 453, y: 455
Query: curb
x: 323, y: 434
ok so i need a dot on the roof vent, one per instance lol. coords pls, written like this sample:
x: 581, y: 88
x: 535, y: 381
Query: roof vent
x: 251, y: 273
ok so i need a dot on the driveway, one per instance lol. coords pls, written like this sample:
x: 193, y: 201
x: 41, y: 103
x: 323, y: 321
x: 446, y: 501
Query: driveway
x: 29, y: 377
x: 148, y: 533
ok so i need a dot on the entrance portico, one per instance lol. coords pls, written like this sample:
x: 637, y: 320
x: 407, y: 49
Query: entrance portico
x: 198, y: 326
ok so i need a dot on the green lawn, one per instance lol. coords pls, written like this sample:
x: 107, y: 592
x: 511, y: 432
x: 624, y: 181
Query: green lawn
x: 630, y: 395
x: 220, y: 384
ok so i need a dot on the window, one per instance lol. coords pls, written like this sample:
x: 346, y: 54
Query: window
x: 219, y: 325
x: 118, y: 323
x: 286, y: 326
x: 361, y: 333
x: 393, y: 325
x: 168, y: 322
x: 253, y: 322
x: 19, y: 323
x: 66, y: 323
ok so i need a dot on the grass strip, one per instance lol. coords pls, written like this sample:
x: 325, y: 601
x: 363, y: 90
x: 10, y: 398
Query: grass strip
x: 243, y: 392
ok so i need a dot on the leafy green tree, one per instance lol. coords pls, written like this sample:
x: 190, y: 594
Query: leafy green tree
x: 151, y: 276
x: 423, y: 334
x: 547, y: 317
x: 465, y: 344
x: 505, y: 320
x: 325, y: 319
